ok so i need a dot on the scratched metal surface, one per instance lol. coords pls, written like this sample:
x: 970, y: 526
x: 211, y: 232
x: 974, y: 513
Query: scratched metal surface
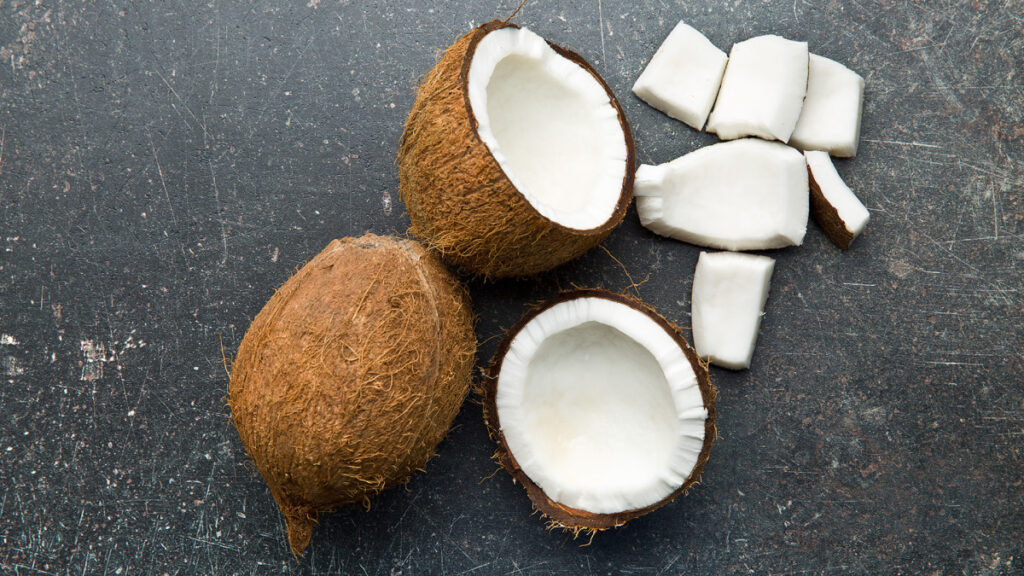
x: 164, y: 166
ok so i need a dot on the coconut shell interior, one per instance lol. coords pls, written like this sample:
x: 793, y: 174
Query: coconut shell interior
x: 567, y: 517
x: 459, y: 199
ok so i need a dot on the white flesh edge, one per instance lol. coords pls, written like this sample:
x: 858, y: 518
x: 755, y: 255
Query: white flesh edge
x: 742, y: 195
x: 683, y: 77
x: 853, y: 214
x: 762, y: 90
x: 729, y: 292
x: 600, y: 406
x: 830, y: 119
x: 551, y: 127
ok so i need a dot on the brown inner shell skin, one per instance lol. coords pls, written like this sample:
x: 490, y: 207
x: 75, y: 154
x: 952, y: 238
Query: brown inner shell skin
x: 458, y: 197
x: 566, y: 517
x: 350, y: 375
x: 826, y: 215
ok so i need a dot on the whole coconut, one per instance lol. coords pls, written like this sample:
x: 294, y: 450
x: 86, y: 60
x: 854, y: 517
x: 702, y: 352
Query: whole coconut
x: 351, y: 374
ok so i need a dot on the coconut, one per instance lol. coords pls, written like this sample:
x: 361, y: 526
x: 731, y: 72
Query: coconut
x: 350, y: 375
x: 729, y: 293
x: 516, y: 156
x: 600, y: 408
x: 833, y: 205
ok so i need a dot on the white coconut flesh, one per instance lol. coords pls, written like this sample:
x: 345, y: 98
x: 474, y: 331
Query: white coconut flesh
x: 600, y: 407
x: 551, y: 127
x: 830, y: 119
x: 683, y: 77
x: 729, y: 293
x: 838, y: 195
x: 746, y: 194
x: 762, y: 90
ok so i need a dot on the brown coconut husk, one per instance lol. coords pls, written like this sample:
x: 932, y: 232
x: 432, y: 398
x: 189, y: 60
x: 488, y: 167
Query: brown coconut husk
x: 350, y: 375
x: 459, y: 199
x: 573, y: 519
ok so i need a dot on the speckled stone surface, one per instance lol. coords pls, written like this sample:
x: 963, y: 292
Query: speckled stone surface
x: 165, y: 166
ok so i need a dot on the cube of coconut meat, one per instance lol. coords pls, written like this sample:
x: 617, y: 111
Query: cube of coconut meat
x: 762, y: 91
x: 747, y: 194
x: 682, y: 78
x: 834, y: 206
x: 830, y: 119
x: 729, y: 292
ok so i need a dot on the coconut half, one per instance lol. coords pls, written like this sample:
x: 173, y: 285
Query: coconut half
x: 601, y: 409
x: 516, y: 156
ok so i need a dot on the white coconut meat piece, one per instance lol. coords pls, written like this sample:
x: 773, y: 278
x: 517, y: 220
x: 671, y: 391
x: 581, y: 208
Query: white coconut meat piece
x: 742, y: 195
x: 830, y: 119
x: 683, y: 77
x: 729, y: 293
x: 600, y: 406
x: 551, y: 127
x: 762, y: 91
x: 836, y: 208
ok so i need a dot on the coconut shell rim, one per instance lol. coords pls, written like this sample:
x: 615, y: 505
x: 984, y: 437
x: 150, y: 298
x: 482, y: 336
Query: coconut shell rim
x: 625, y: 190
x: 566, y: 516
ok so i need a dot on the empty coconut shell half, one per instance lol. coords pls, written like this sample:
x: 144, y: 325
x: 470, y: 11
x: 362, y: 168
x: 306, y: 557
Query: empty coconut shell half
x: 351, y: 374
x: 600, y: 408
x: 516, y: 156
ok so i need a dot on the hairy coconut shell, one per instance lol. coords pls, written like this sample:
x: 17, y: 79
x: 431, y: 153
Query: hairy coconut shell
x: 566, y: 517
x: 458, y: 197
x: 351, y: 374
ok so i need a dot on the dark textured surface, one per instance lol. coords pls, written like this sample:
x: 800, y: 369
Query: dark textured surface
x: 165, y: 166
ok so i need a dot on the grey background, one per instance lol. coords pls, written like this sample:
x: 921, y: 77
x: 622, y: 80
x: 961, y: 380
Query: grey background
x: 164, y: 166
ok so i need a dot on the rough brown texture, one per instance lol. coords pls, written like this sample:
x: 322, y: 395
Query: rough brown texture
x: 459, y: 199
x: 351, y: 374
x: 574, y: 519
x: 826, y: 215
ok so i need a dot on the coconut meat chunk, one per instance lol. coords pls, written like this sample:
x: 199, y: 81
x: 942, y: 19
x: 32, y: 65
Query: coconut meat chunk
x: 550, y: 125
x: 600, y: 407
x: 683, y: 76
x: 830, y: 119
x: 729, y: 293
x: 762, y: 90
x: 834, y: 206
x: 746, y: 194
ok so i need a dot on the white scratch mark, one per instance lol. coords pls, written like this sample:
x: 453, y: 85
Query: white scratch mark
x: 901, y: 143
x: 669, y: 565
x: 3, y: 139
x: 95, y: 356
x: 163, y: 183
x: 216, y: 198
x: 474, y: 569
x: 995, y: 213
x: 386, y: 201
x: 11, y: 368
x: 182, y: 102
x: 600, y: 22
